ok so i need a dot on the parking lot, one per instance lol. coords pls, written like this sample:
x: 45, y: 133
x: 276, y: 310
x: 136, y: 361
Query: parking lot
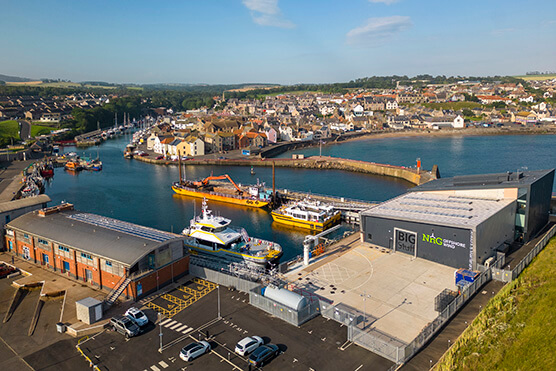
x: 318, y: 344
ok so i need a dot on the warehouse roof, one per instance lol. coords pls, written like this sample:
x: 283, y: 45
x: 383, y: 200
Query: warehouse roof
x: 443, y: 209
x: 109, y: 238
x: 23, y: 202
x: 485, y: 181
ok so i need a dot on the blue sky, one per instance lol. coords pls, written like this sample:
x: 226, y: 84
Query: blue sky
x: 274, y: 41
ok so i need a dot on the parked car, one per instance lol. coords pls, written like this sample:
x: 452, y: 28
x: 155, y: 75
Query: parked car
x: 137, y: 316
x: 160, y: 157
x: 125, y: 326
x: 194, y: 350
x: 6, y: 270
x: 263, y: 354
x: 248, y: 344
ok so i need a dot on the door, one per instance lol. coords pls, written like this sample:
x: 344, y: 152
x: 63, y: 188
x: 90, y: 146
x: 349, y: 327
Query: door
x: 11, y: 245
x: 88, y: 275
x: 66, y: 266
x: 26, y: 254
x: 45, y: 259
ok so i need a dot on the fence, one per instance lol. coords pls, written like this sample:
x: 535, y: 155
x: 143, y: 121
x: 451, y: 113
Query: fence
x: 279, y: 310
x: 506, y: 275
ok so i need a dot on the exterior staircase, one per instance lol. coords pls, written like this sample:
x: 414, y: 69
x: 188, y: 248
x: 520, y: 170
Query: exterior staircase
x: 117, y: 291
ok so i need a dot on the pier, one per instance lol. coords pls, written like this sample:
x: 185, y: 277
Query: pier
x: 415, y: 176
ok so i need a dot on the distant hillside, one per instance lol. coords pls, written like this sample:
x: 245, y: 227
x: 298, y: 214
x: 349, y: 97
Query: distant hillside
x: 13, y: 78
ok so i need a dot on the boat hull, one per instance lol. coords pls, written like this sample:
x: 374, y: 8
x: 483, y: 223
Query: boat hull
x: 233, y: 256
x: 304, y: 224
x: 220, y: 197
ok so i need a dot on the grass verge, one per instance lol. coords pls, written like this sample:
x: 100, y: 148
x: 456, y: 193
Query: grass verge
x: 517, y: 328
x: 9, y: 130
x: 37, y: 130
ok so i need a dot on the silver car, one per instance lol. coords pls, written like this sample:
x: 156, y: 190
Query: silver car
x: 194, y: 350
x: 248, y: 344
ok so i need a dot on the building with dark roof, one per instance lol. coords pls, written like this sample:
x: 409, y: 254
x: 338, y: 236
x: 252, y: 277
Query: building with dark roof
x: 107, y: 253
x: 464, y: 221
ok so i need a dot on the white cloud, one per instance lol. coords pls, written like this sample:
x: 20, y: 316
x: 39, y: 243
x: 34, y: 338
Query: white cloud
x: 267, y: 13
x: 377, y: 30
x: 387, y: 2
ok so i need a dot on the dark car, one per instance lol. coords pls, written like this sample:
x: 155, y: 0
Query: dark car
x: 263, y: 354
x: 125, y: 326
x: 6, y: 270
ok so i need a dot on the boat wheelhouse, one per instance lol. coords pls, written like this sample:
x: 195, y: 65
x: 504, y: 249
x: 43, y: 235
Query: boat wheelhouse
x: 307, y: 214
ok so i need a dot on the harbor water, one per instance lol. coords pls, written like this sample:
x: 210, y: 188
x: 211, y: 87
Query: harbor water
x: 141, y: 193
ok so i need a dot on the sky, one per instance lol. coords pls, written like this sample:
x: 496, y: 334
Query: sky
x: 273, y: 41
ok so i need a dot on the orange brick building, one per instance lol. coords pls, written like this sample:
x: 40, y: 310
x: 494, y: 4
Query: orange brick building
x: 106, y: 253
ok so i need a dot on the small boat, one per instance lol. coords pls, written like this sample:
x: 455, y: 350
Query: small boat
x: 252, y: 171
x: 128, y: 152
x: 213, y: 236
x: 73, y: 166
x: 307, y: 214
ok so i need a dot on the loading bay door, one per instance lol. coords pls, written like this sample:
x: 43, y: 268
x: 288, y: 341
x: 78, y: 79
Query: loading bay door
x: 405, y: 241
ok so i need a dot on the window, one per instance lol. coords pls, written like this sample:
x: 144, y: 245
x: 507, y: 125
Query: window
x: 26, y: 236
x: 86, y: 256
x: 369, y: 236
x: 43, y: 242
x: 108, y: 264
x: 62, y: 248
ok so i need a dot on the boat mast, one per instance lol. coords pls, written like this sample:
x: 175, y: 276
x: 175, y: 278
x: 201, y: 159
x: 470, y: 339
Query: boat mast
x: 273, y: 183
x: 179, y: 165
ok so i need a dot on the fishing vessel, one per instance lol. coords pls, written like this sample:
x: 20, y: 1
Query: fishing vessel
x: 307, y: 214
x: 73, y: 166
x: 212, y: 235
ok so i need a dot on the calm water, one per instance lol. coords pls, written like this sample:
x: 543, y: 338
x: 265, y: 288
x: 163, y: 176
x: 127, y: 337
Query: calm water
x: 453, y: 155
x: 140, y: 193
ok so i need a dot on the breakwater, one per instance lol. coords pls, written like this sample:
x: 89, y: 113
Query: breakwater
x: 411, y: 175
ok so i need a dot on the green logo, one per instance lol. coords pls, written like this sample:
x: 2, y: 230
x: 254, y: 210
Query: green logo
x: 431, y: 239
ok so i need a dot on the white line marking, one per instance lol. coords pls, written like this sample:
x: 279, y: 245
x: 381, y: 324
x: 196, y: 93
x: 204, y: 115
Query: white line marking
x: 358, y: 368
x: 188, y: 330
x: 165, y: 321
x: 170, y: 323
x: 163, y: 364
x: 175, y: 326
x: 181, y: 328
x: 154, y: 368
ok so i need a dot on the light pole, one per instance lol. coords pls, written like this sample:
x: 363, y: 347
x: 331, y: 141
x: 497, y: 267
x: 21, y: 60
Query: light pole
x: 160, y: 335
x: 218, y: 289
x: 365, y: 296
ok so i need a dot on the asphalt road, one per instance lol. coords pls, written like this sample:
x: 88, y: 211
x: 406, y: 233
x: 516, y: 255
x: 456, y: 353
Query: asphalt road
x: 25, y: 130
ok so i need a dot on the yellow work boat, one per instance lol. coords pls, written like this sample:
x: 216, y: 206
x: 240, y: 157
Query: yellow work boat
x: 307, y: 214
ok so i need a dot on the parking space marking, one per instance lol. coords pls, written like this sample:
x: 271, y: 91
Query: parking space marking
x: 163, y: 364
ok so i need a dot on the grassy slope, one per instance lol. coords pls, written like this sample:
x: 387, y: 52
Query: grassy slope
x: 37, y: 130
x: 536, y: 77
x: 517, y: 328
x: 9, y: 129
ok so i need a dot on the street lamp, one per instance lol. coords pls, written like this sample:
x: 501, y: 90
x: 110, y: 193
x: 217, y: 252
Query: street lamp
x: 218, y: 289
x: 160, y: 335
x: 365, y: 296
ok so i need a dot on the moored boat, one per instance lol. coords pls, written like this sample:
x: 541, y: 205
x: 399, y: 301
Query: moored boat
x: 253, y: 196
x: 73, y: 166
x: 307, y: 214
x: 213, y: 236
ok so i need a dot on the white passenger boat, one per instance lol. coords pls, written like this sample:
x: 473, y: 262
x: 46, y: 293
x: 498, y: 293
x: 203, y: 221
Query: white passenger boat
x: 213, y: 236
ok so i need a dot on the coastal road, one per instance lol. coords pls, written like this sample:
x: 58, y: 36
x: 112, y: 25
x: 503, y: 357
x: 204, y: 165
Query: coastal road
x: 25, y: 130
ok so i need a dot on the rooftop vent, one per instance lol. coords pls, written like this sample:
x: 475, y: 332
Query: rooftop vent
x: 55, y: 209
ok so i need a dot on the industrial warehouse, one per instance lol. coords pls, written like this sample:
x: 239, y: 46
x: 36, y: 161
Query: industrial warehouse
x: 464, y: 221
x: 109, y: 254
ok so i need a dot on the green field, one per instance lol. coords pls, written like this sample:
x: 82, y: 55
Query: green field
x: 536, y: 77
x: 453, y: 105
x: 37, y: 130
x: 517, y: 328
x: 9, y: 130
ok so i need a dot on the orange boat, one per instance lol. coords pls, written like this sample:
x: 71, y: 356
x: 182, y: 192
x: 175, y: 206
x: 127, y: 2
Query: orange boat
x: 73, y: 166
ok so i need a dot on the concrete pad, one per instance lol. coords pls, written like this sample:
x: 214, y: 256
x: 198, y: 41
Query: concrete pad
x: 395, y: 290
